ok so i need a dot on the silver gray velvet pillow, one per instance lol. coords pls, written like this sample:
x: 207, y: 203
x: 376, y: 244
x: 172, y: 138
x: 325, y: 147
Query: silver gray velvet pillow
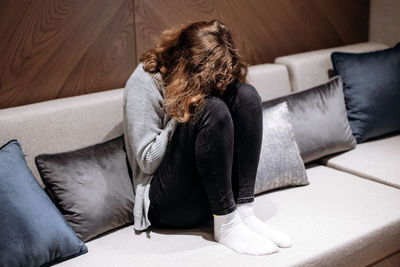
x: 90, y: 186
x: 280, y: 162
x: 319, y: 119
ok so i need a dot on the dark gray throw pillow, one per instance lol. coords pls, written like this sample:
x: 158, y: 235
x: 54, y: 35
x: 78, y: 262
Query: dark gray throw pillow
x: 91, y: 187
x: 280, y: 163
x: 319, y: 119
x: 372, y: 90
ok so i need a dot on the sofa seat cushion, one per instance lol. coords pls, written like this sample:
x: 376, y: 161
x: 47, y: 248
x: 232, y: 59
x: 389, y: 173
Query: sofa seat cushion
x: 337, y: 220
x: 377, y: 159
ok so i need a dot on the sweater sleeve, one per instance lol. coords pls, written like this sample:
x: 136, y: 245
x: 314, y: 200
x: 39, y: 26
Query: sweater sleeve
x: 148, y: 127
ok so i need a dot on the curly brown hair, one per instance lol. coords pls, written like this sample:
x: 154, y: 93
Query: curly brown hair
x: 194, y: 60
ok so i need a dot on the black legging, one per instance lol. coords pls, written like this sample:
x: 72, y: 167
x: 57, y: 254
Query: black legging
x: 211, y: 161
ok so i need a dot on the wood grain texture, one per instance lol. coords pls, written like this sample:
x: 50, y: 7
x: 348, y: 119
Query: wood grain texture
x: 262, y: 29
x: 57, y: 48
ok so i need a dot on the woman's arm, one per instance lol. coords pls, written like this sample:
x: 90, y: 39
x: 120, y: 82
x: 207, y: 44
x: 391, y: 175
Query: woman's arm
x: 144, y: 120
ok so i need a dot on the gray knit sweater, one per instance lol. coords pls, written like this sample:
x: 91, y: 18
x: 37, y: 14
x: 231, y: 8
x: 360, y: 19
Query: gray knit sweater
x: 147, y: 130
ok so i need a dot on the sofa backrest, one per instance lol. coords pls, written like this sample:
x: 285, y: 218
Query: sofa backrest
x: 62, y: 125
x: 313, y: 68
x: 270, y: 80
x: 71, y: 123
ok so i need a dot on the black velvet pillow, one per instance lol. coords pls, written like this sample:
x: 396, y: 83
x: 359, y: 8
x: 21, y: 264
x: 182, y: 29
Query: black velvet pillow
x: 372, y: 90
x: 91, y: 187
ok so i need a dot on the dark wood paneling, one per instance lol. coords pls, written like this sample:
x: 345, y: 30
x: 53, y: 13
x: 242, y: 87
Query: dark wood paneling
x: 262, y: 29
x: 56, y: 48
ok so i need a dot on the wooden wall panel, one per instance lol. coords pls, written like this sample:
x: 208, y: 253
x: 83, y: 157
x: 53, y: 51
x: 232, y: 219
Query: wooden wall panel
x: 56, y: 48
x: 384, y: 22
x: 262, y: 29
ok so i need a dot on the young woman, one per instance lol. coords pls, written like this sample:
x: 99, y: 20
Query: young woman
x: 193, y: 131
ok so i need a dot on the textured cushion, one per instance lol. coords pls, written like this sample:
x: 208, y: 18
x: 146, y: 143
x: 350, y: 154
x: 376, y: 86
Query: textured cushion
x: 33, y: 231
x: 309, y: 69
x: 372, y: 90
x: 280, y: 162
x: 319, y: 120
x: 377, y: 159
x: 337, y: 220
x: 90, y: 186
x: 270, y: 80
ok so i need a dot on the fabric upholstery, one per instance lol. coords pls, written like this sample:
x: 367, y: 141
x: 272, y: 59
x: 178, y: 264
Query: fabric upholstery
x: 280, y: 163
x: 329, y: 224
x: 270, y: 80
x: 63, y: 124
x: 371, y: 85
x: 312, y: 68
x: 91, y: 186
x: 319, y: 120
x: 33, y: 232
x: 377, y: 160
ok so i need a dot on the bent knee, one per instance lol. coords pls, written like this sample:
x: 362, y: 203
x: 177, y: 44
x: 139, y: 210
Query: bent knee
x: 217, y: 112
x: 246, y: 94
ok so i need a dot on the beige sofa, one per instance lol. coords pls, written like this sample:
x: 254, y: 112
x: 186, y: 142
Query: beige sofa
x: 349, y: 214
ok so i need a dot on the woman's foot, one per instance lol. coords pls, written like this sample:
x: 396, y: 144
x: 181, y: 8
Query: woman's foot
x: 230, y: 231
x: 246, y: 213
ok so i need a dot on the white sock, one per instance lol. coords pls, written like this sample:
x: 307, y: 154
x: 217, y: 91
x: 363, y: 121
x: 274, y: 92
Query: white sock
x: 230, y: 231
x: 246, y: 213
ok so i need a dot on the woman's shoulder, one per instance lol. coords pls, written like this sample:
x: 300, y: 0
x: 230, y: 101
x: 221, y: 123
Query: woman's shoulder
x: 139, y: 73
x: 144, y: 82
x: 142, y: 77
